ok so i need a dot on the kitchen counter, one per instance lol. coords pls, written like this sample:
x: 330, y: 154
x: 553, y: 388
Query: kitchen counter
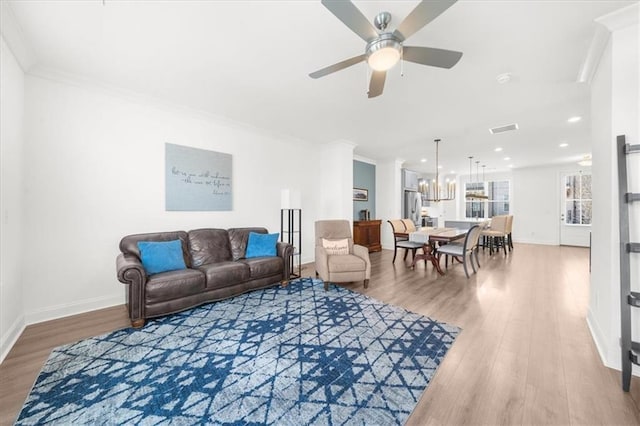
x: 462, y: 223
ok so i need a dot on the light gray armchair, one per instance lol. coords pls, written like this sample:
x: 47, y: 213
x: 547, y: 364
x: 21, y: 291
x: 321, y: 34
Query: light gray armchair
x: 353, y: 266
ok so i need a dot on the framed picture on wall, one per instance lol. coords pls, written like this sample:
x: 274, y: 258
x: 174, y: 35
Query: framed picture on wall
x: 360, y: 194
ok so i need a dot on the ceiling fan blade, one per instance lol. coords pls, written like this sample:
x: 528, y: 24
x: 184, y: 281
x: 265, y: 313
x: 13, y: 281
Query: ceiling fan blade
x: 351, y: 16
x: 376, y: 85
x: 425, y: 12
x: 431, y: 56
x: 337, y: 67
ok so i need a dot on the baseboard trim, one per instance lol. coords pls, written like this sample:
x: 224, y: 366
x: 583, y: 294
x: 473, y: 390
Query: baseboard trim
x: 527, y: 241
x: 10, y: 339
x: 597, y: 336
x: 598, y: 339
x: 73, y: 308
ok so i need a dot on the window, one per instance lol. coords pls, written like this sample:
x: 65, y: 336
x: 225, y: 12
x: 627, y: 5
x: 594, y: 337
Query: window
x: 496, y: 203
x: 498, y: 198
x: 577, y: 199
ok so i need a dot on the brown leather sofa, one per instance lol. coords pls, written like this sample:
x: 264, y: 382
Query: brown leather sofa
x: 215, y: 269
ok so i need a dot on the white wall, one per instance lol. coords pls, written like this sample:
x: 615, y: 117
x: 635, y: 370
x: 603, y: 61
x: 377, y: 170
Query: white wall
x: 388, y: 197
x: 94, y: 172
x: 11, y: 199
x: 335, y: 173
x: 535, y: 201
x: 615, y: 110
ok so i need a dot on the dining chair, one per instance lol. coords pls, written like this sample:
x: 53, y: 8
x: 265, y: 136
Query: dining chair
x: 401, y: 238
x: 497, y: 233
x: 482, y: 239
x: 468, y: 249
x: 508, y: 231
x: 409, y: 226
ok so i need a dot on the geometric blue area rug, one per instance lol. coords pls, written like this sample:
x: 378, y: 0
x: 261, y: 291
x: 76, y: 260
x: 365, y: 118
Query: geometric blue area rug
x: 284, y: 356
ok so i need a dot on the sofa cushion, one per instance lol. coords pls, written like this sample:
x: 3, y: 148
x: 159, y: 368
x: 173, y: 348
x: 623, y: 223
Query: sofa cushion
x: 346, y: 263
x: 264, y: 266
x: 238, y: 237
x: 225, y: 274
x: 209, y: 246
x: 129, y: 244
x: 174, y: 285
x: 260, y: 245
x: 161, y: 256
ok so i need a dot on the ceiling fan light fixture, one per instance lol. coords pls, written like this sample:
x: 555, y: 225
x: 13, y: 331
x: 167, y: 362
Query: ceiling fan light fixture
x: 383, y: 53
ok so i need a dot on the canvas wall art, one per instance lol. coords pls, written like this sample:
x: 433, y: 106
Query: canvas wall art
x: 197, y: 179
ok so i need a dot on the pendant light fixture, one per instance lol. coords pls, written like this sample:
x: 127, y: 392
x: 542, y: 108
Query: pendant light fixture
x: 475, y: 194
x: 434, y: 191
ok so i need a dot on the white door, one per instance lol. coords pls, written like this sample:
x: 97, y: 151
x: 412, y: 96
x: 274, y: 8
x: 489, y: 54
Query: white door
x: 575, y: 208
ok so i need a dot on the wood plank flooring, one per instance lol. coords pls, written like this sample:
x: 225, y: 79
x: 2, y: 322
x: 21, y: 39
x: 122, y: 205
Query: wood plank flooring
x: 525, y: 355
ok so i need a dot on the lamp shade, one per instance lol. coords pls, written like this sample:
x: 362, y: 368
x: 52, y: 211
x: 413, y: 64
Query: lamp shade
x: 290, y: 199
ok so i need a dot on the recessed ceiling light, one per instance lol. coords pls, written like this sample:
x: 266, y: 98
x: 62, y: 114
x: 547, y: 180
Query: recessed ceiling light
x: 511, y: 166
x: 498, y: 149
x: 452, y: 171
x: 563, y: 145
x: 424, y: 160
x: 574, y: 119
x: 439, y: 167
x: 507, y: 158
x: 503, y: 78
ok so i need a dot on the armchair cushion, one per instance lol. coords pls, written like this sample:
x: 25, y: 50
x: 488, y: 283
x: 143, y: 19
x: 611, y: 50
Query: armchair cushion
x: 161, y: 256
x: 336, y: 247
x: 346, y: 263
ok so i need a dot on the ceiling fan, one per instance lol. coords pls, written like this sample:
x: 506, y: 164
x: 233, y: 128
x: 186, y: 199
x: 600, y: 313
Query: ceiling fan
x: 384, y: 49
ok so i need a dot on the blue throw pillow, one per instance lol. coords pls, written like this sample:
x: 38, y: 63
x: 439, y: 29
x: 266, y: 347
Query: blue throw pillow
x: 161, y: 256
x: 261, y: 245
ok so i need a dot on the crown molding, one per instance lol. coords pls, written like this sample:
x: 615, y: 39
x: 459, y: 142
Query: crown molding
x: 14, y: 37
x: 594, y: 54
x: 621, y: 18
x: 342, y: 142
x: 364, y: 159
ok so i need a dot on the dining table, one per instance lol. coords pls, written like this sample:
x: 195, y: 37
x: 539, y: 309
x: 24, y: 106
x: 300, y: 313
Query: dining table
x: 431, y: 238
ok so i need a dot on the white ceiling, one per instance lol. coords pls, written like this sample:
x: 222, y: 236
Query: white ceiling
x: 249, y: 61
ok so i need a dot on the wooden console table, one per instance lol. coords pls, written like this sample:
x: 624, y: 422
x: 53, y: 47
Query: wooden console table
x: 367, y: 233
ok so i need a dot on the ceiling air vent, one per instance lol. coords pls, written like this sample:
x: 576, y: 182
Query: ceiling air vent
x: 502, y: 129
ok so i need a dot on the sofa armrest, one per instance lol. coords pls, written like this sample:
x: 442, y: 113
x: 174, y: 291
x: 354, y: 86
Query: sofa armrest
x: 130, y: 269
x: 285, y: 251
x: 363, y: 253
x: 322, y: 263
x: 131, y: 272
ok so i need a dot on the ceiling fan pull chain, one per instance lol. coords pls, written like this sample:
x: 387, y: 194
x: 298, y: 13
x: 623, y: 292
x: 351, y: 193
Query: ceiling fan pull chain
x: 402, y: 61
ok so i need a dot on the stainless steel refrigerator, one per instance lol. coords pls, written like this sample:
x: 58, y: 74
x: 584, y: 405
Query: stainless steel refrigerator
x: 412, y: 207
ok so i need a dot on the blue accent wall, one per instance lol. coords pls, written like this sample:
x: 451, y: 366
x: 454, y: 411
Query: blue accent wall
x: 364, y: 176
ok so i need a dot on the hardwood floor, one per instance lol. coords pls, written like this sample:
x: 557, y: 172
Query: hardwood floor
x: 525, y: 355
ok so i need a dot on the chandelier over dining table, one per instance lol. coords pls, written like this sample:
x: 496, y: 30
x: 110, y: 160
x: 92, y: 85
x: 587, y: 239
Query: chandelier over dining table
x: 434, y: 191
x: 475, y: 190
